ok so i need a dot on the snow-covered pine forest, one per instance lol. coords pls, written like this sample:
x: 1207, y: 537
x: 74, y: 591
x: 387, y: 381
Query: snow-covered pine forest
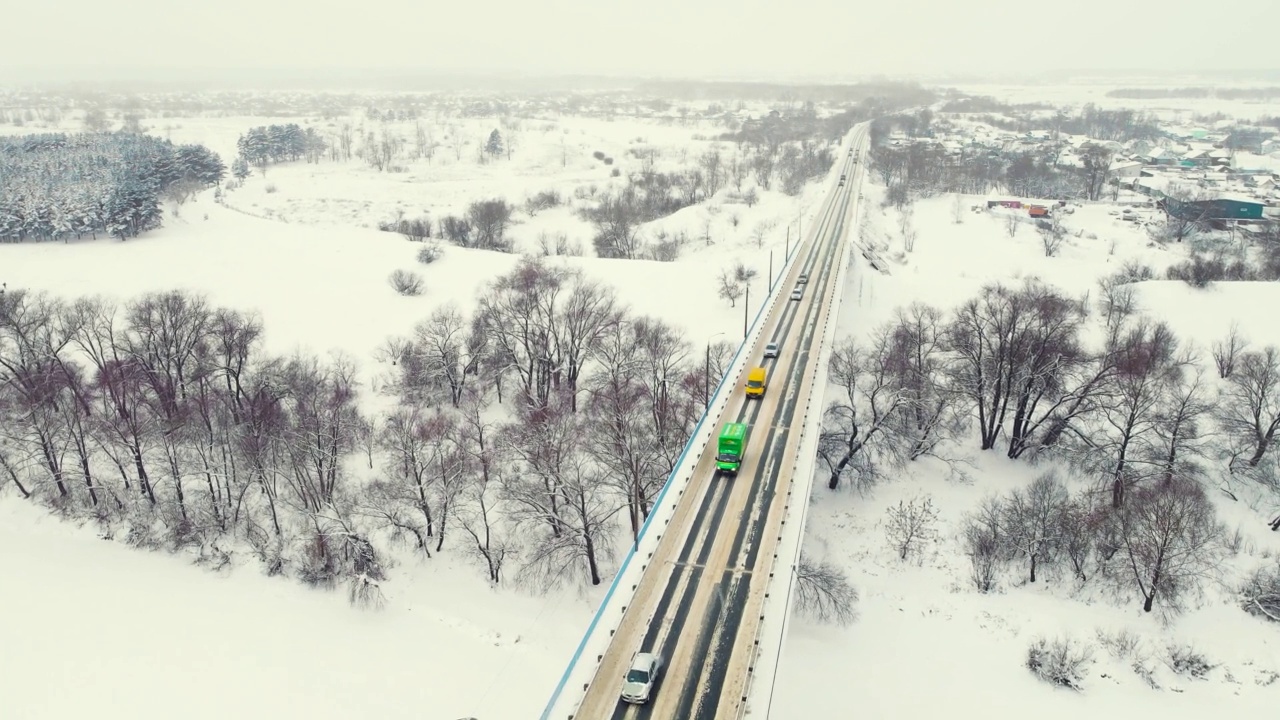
x: 58, y: 186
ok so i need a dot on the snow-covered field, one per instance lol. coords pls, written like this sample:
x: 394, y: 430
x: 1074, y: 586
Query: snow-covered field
x: 308, y: 259
x: 163, y: 637
x: 1084, y: 91
x: 300, y: 246
x: 926, y: 642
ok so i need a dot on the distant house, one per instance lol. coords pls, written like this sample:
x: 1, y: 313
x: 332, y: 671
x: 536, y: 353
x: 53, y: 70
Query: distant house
x: 1161, y: 156
x: 1126, y: 169
x: 1223, y: 208
x: 1139, y: 148
x: 1248, y: 139
x: 1196, y: 158
x: 1271, y: 145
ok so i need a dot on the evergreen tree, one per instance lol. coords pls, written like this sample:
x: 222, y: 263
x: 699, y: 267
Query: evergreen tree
x: 494, y: 146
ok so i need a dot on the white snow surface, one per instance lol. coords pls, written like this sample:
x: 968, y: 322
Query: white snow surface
x: 164, y: 635
x: 925, y: 643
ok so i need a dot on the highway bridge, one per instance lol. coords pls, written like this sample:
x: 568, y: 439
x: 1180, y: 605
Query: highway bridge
x: 697, y: 597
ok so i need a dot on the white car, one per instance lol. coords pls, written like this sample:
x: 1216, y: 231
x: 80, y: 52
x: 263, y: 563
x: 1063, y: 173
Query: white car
x: 804, y: 278
x: 797, y: 294
x: 771, y: 350
x: 637, y: 685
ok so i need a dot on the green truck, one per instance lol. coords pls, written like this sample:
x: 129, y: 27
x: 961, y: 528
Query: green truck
x: 729, y: 457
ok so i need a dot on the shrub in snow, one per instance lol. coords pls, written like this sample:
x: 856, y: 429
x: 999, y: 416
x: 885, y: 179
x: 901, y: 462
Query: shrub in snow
x: 406, y: 283
x: 365, y: 593
x: 1133, y: 271
x: 616, y: 173
x: 1261, y: 594
x: 1199, y: 271
x: 1188, y: 662
x: 1062, y: 662
x: 909, y: 526
x: 544, y: 200
x: 823, y: 592
x: 598, y: 155
x: 1121, y: 645
x: 430, y: 253
x: 270, y: 188
x: 985, y: 543
x: 456, y: 230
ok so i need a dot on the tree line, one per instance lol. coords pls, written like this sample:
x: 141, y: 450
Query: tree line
x: 58, y: 186
x: 267, y: 144
x: 922, y: 168
x: 519, y: 436
x: 1014, y: 369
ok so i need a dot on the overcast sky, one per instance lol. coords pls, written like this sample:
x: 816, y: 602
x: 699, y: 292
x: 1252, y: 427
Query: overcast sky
x: 689, y: 38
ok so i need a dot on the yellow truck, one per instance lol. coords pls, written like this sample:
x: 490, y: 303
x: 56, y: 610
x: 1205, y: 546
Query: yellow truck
x: 756, y: 382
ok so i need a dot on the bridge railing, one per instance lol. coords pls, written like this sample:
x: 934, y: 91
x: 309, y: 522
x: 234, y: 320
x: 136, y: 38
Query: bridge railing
x: 766, y: 646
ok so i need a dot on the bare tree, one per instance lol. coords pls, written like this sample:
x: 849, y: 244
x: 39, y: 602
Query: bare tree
x: 519, y: 313
x: 457, y: 142
x: 1227, y: 351
x: 858, y: 420
x: 621, y: 438
x: 762, y: 165
x: 909, y: 526
x: 1052, y: 235
x: 1180, y: 427
x: 729, y: 289
x: 1096, y: 160
x: 1018, y: 353
x: 1185, y: 217
x: 1250, y: 411
x: 1032, y: 520
x: 986, y: 540
x: 915, y: 353
x: 482, y: 516
x: 561, y: 497
x: 1147, y: 363
x: 165, y: 337
x: 444, y: 354
x: 957, y: 210
x: 823, y: 592
x: 1080, y: 525
x: 1171, y: 541
x: 490, y: 220
x: 590, y: 310
x: 618, y: 220
x: 323, y: 419
x: 1011, y: 223
x: 739, y: 167
x: 761, y: 231
x: 907, y: 226
x: 713, y: 169
x: 664, y: 373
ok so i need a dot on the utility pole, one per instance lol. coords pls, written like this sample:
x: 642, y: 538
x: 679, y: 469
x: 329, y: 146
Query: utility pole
x: 706, y: 377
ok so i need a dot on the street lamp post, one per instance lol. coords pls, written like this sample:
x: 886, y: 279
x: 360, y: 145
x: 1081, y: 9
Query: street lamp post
x: 770, y: 269
x: 706, y: 373
x: 745, y: 305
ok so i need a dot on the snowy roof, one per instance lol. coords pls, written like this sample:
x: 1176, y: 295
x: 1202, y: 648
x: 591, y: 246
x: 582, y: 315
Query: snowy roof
x: 1237, y: 197
x: 1117, y: 165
